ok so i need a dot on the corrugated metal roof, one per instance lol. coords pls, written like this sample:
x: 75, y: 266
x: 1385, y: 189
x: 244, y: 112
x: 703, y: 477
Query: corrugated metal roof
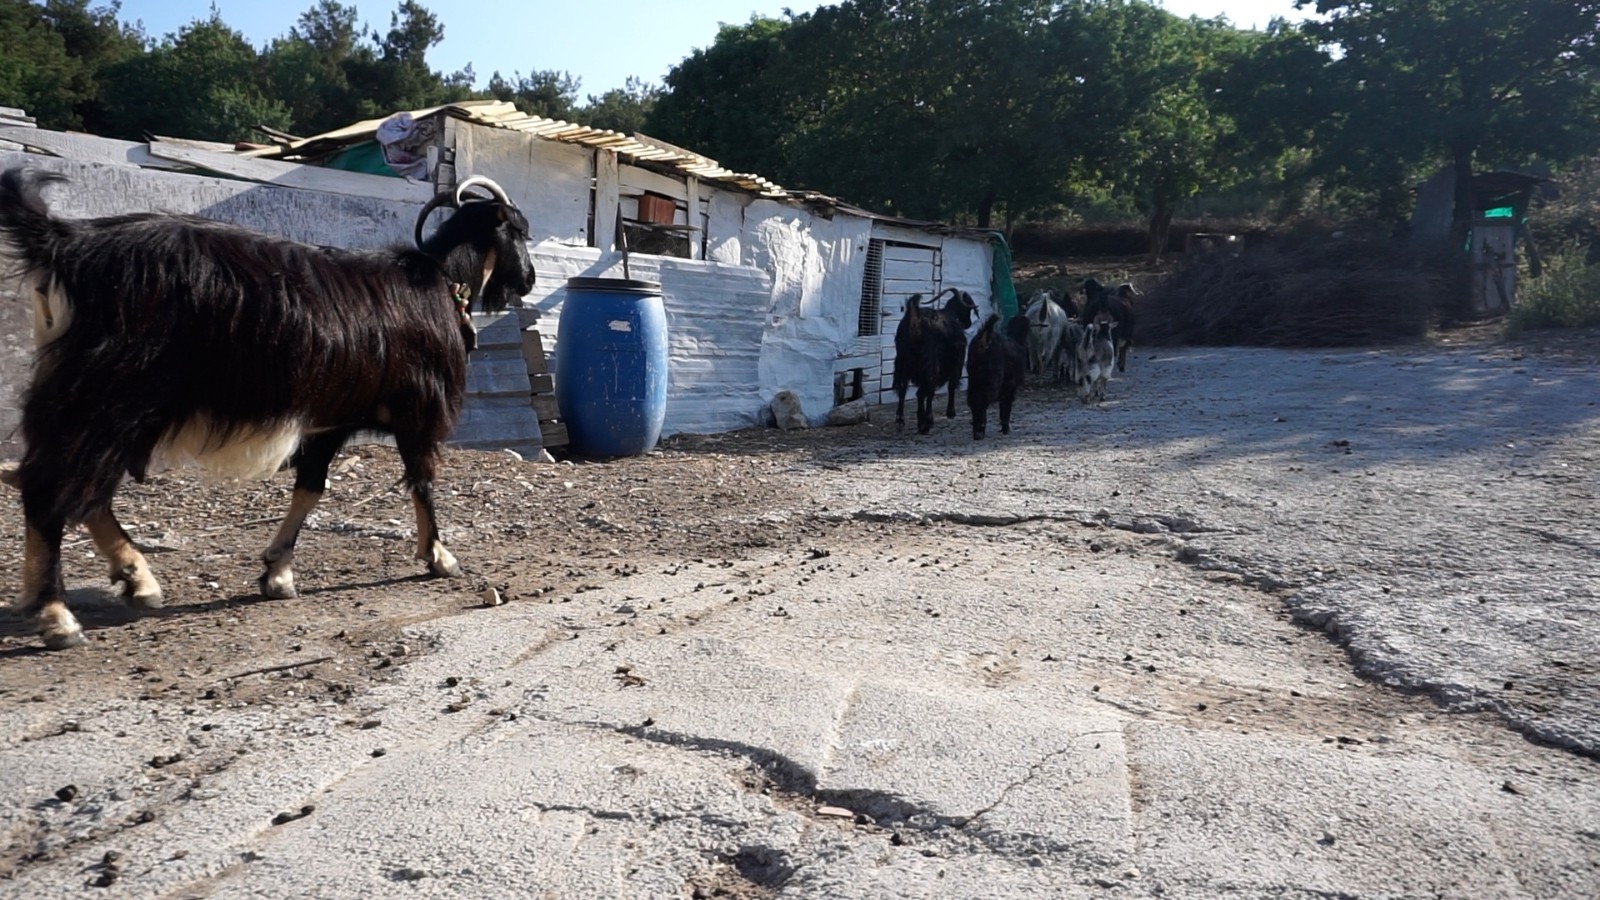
x: 638, y: 147
x: 501, y: 114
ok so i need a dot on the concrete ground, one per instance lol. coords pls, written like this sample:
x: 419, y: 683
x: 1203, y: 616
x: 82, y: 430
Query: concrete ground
x: 1265, y: 624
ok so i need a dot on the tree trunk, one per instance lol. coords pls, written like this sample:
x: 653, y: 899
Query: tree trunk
x: 1160, y: 225
x: 1461, y: 215
x: 986, y: 210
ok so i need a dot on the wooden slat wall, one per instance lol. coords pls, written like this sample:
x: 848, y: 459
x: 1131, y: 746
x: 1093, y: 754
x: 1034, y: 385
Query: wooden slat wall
x: 497, y: 414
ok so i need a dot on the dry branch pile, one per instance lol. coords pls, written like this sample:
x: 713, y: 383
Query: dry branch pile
x: 1323, y: 293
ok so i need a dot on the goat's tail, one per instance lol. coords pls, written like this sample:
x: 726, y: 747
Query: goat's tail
x: 25, y: 221
x: 32, y: 236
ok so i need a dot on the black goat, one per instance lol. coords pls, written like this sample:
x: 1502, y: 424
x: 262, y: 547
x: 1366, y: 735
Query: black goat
x: 166, y: 336
x: 997, y: 362
x: 929, y: 347
x: 1100, y: 305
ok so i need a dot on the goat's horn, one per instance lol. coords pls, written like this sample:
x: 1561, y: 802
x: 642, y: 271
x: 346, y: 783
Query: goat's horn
x: 437, y: 200
x: 479, y: 180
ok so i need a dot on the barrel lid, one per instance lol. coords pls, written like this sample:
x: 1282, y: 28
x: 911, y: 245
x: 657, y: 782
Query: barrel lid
x: 612, y: 284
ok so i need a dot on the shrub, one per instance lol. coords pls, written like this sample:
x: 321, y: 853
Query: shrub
x: 1565, y: 295
x: 1303, y: 292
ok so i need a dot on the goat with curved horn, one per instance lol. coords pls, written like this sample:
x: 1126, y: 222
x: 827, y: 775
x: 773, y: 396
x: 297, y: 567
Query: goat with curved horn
x: 442, y: 198
x: 488, y: 184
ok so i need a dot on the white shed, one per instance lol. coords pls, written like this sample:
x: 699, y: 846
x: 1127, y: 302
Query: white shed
x: 765, y: 288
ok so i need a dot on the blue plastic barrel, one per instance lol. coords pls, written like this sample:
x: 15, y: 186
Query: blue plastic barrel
x: 611, y: 366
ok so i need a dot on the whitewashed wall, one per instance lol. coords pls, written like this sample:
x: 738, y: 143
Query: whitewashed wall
x: 969, y: 265
x: 549, y: 181
x: 339, y: 220
x: 817, y: 266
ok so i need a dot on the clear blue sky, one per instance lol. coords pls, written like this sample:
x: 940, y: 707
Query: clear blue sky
x: 600, y: 42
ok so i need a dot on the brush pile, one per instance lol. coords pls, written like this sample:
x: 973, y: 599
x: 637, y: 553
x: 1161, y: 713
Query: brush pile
x: 1327, y: 292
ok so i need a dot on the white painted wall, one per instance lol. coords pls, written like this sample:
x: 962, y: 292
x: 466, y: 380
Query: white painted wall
x: 549, y: 181
x: 338, y: 220
x: 969, y: 265
x: 816, y: 266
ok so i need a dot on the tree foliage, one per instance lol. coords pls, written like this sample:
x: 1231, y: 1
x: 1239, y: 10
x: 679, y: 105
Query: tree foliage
x: 962, y: 110
x: 1417, y: 84
x: 206, y: 82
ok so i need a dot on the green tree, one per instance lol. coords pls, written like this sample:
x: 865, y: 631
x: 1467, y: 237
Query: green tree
x: 623, y: 109
x: 1271, y: 87
x: 397, y: 76
x: 1461, y: 83
x: 36, y: 72
x: 924, y: 108
x: 728, y: 100
x: 1147, y: 100
x: 306, y: 67
x: 204, y: 82
x: 53, y: 57
x: 548, y: 93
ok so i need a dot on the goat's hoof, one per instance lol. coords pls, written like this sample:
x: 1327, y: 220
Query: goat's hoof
x: 60, y: 631
x: 278, y: 588
x: 146, y: 601
x: 139, y: 590
x: 446, y: 568
x: 442, y: 562
x: 63, y: 641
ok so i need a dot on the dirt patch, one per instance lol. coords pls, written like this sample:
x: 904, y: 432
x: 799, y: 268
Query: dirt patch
x: 534, y: 532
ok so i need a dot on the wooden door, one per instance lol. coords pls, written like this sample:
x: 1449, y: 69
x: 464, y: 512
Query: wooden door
x: 903, y: 271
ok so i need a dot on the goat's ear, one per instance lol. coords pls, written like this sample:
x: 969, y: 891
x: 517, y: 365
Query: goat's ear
x: 500, y: 212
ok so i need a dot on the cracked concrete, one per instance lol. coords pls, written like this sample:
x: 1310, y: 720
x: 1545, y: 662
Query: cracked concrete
x: 1072, y: 663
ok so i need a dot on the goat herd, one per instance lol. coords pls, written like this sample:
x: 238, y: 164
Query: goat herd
x: 1055, y: 339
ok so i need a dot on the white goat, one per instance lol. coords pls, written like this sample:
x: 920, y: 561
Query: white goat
x: 1047, y: 323
x: 1096, y: 353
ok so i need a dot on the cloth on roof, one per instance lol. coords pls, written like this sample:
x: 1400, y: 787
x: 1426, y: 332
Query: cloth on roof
x: 405, y: 141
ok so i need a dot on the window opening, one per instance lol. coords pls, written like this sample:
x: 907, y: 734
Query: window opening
x: 871, y: 320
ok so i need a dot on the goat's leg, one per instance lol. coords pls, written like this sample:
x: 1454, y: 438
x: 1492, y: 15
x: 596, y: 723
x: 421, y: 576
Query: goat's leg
x: 129, y: 569
x: 1007, y: 397
x: 311, y: 463
x: 44, y: 594
x: 900, y: 405
x: 924, y: 409
x: 421, y: 460
x: 950, y: 406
